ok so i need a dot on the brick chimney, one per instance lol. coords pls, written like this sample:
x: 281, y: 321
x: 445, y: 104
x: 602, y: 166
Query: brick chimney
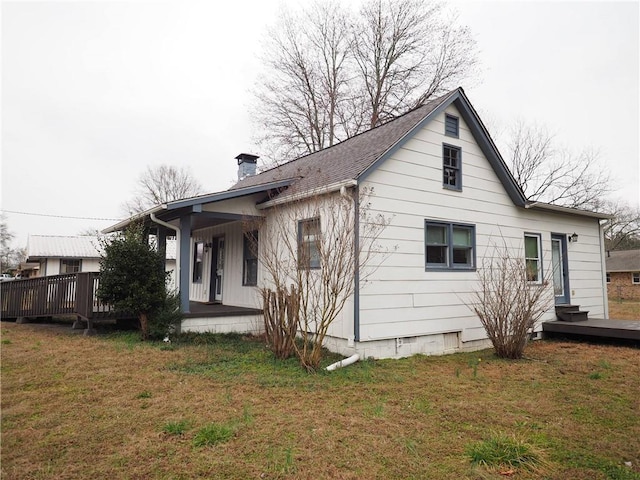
x: 247, y: 164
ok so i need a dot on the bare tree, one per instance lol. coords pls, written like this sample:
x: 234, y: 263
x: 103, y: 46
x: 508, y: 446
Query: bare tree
x: 309, y: 252
x: 407, y: 53
x: 551, y: 174
x: 301, y: 100
x: 331, y: 73
x: 622, y: 232
x: 161, y: 184
x: 507, y: 302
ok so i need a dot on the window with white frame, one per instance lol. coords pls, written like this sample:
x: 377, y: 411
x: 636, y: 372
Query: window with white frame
x: 635, y: 277
x: 449, y: 246
x: 309, y: 237
x: 608, y: 278
x: 533, y: 257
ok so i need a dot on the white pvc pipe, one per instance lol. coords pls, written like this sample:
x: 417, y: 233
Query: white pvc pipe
x: 344, y: 363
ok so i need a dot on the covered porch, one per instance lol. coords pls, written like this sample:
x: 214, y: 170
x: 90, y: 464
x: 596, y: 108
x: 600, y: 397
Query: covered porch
x: 209, y: 237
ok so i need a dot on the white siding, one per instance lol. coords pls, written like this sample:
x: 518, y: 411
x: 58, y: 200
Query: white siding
x: 233, y: 292
x: 404, y: 300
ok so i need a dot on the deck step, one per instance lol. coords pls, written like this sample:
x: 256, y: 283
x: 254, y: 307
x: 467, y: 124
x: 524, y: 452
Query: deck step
x: 571, y: 313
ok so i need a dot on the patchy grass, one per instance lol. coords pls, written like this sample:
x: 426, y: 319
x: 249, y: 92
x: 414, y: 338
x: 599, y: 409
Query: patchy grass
x: 78, y: 407
x: 624, y: 310
x: 212, y: 434
x: 176, y: 428
x: 507, y: 453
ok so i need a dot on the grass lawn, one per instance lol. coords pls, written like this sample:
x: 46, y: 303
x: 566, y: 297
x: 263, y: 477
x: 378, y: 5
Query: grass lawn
x: 624, y: 310
x: 76, y: 407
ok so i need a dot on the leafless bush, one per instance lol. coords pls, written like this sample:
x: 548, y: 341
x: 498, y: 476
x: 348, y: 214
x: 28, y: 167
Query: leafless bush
x: 310, y: 250
x: 281, y: 319
x: 507, y: 302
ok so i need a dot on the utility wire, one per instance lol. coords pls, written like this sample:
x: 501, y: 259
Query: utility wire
x: 60, y: 216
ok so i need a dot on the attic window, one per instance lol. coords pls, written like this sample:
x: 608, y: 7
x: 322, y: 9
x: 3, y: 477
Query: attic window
x: 451, y: 126
x: 451, y: 167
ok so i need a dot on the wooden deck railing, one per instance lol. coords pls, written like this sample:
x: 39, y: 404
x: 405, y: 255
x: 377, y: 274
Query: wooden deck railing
x: 69, y: 294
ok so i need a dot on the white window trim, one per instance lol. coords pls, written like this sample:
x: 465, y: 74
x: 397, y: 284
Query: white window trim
x: 538, y: 237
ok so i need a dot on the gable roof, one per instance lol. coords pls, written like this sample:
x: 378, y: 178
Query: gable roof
x: 623, y: 261
x: 356, y: 157
x: 56, y: 246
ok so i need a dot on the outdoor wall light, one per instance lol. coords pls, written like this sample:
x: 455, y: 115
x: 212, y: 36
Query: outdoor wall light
x: 209, y: 245
x: 573, y: 238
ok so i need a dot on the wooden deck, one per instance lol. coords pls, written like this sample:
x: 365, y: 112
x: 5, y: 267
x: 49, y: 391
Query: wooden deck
x: 596, y: 327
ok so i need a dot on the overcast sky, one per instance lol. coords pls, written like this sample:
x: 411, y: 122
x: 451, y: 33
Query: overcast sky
x: 94, y: 92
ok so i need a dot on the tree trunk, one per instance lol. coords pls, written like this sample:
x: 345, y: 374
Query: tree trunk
x: 144, y: 325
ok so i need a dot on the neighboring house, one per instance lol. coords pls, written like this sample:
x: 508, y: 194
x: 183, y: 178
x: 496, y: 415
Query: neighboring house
x: 623, y: 274
x: 437, y: 174
x: 53, y: 255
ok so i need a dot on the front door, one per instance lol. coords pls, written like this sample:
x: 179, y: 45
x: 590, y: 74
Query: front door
x: 217, y: 270
x: 560, y: 269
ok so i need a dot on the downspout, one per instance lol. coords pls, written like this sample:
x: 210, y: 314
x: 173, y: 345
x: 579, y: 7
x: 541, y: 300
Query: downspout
x: 344, y: 363
x: 356, y: 267
x: 603, y: 272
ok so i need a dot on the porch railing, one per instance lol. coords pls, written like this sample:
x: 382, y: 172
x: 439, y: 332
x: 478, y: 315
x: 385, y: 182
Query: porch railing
x: 69, y: 294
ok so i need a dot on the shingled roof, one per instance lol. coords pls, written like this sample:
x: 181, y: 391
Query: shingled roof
x: 348, y: 159
x: 623, y: 261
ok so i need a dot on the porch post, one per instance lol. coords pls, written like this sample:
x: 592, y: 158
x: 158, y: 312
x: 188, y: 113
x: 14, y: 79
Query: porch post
x: 185, y: 262
x: 162, y: 246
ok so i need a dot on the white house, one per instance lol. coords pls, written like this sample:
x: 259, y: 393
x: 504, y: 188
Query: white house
x: 438, y: 176
x: 57, y: 254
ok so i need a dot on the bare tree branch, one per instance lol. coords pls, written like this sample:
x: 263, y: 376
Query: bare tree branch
x: 622, y: 232
x: 333, y: 73
x: 550, y: 174
x: 158, y: 185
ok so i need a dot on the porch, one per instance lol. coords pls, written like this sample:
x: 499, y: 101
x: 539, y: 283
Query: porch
x: 596, y: 327
x: 218, y: 318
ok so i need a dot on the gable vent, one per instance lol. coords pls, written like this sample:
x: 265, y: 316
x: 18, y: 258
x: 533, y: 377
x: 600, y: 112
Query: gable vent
x: 451, y: 126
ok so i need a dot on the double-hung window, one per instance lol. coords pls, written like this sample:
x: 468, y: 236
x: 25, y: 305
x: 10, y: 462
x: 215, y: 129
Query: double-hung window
x: 451, y: 167
x: 533, y: 257
x: 449, y: 246
x: 250, y: 259
x: 309, y: 237
x: 635, y: 277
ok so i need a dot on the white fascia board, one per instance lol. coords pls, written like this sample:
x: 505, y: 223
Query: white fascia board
x: 332, y: 187
x: 572, y: 211
x: 125, y: 223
